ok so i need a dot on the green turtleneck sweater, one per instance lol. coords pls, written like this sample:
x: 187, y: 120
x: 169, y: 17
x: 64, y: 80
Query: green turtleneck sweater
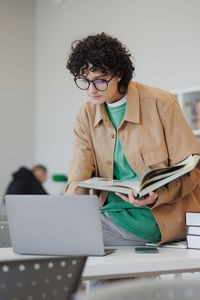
x: 137, y: 220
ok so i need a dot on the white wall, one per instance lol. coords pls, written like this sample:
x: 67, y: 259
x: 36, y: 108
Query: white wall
x: 17, y: 49
x: 163, y: 36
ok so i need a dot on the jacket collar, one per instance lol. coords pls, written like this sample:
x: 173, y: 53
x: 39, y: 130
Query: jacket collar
x: 132, y: 113
x: 101, y: 114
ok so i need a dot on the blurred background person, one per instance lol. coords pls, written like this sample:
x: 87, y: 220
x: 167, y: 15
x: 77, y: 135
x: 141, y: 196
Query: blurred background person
x: 26, y: 181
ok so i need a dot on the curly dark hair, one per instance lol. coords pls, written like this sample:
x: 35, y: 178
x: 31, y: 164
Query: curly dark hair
x: 106, y: 54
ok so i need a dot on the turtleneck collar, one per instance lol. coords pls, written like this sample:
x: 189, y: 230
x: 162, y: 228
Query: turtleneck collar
x: 117, y: 103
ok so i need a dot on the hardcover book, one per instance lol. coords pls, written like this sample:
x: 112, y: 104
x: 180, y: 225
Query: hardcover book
x: 193, y: 241
x: 192, y: 218
x: 194, y: 230
x: 151, y: 181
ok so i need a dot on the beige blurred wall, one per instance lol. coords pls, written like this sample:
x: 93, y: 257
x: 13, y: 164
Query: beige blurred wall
x: 17, y: 84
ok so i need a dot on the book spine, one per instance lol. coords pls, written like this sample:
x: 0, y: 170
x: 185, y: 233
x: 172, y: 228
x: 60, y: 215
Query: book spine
x: 193, y: 241
x: 193, y: 230
x: 193, y: 218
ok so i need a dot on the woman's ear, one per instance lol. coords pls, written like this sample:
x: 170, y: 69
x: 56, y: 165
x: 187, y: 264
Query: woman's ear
x: 118, y: 79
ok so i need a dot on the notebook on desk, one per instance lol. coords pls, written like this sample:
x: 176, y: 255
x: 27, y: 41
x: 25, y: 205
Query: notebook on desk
x: 55, y: 225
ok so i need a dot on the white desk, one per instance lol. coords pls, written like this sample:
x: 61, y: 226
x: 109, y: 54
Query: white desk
x: 7, y: 254
x: 126, y: 263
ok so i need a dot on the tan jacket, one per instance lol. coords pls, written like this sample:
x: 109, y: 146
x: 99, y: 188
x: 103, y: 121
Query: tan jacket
x: 153, y: 134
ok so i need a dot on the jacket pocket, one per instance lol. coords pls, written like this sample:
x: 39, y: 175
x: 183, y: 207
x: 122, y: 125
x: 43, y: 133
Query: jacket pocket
x: 157, y: 157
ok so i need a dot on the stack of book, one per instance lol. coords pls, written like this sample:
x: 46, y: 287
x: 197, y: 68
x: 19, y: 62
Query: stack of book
x: 193, y: 229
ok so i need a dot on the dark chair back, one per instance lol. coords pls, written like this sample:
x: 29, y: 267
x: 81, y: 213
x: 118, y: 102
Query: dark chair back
x: 43, y: 278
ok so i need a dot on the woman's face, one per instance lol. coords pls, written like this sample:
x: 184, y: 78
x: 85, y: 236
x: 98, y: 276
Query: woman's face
x: 110, y: 95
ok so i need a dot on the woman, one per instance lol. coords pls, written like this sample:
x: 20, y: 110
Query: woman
x: 123, y: 130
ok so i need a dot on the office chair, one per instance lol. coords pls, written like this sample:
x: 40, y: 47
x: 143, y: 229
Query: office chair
x: 4, y: 235
x: 43, y: 278
x: 4, y: 230
x: 148, y: 289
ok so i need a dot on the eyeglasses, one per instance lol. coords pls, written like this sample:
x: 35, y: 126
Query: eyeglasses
x: 99, y: 84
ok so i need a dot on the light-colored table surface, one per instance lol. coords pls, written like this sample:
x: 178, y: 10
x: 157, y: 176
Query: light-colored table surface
x: 125, y: 263
x: 7, y: 254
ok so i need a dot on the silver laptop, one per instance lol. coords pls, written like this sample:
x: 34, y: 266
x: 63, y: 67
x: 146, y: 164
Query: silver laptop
x: 55, y: 225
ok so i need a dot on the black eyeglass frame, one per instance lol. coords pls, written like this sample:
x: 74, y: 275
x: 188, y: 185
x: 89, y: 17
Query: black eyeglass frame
x: 93, y: 82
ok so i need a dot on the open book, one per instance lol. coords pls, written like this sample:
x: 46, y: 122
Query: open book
x: 151, y: 181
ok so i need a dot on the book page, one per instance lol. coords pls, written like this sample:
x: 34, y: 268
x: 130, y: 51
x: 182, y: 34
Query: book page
x: 97, y: 181
x: 133, y: 185
x: 157, y: 174
x: 182, y: 171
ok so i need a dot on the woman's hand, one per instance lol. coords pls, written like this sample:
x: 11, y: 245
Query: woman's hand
x: 150, y: 199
